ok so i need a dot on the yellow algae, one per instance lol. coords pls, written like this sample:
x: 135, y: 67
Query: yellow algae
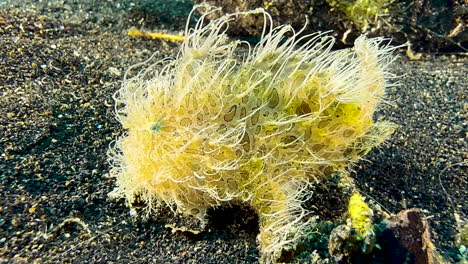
x: 360, y: 215
x: 134, y: 32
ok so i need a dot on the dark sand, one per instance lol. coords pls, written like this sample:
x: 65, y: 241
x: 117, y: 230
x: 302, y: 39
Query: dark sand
x: 59, y: 66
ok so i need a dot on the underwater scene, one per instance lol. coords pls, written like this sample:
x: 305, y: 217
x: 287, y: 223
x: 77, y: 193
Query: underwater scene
x: 211, y: 131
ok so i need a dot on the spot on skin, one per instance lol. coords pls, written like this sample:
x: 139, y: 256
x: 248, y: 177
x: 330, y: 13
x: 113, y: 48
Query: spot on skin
x: 230, y: 114
x: 274, y: 99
